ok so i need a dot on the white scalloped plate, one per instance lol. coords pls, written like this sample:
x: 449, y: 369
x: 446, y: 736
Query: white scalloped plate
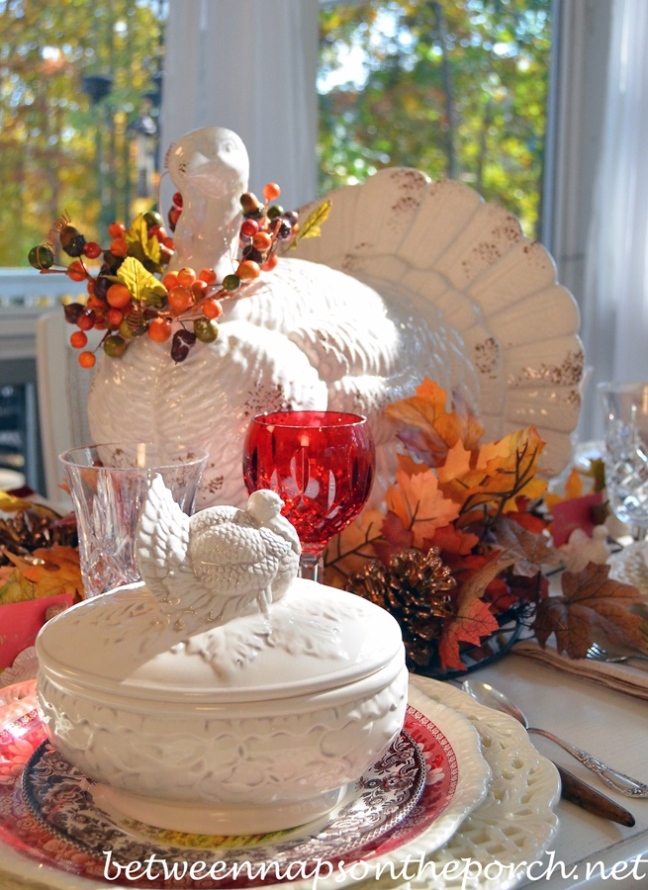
x: 438, y: 244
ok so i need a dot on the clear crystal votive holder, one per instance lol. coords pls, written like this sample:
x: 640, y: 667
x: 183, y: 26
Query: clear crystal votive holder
x: 108, y: 485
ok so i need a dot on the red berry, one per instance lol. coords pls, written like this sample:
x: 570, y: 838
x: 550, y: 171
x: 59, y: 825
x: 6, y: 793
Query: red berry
x: 173, y: 216
x: 262, y: 241
x: 249, y: 228
x: 270, y: 262
x: 271, y: 191
x: 177, y: 199
x: 87, y: 359
x: 247, y: 270
x: 186, y: 276
x: 114, y: 317
x: 179, y: 299
x: 76, y: 271
x: 118, y: 295
x: 86, y: 320
x: 119, y: 247
x: 170, y: 280
x: 92, y: 250
x: 199, y: 288
x: 78, y: 339
x: 159, y: 330
x: 116, y: 229
x: 211, y: 308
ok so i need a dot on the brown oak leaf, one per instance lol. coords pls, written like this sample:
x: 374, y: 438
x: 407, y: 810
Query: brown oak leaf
x: 531, y: 552
x: 591, y: 601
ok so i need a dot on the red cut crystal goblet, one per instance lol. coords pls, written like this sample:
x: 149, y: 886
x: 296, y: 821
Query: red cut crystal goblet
x: 321, y: 463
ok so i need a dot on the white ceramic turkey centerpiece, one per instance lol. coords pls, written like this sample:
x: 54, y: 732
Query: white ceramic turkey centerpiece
x: 223, y: 695
x: 304, y: 336
x: 408, y: 279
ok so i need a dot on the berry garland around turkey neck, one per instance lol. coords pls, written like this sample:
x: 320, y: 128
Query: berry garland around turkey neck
x: 132, y: 295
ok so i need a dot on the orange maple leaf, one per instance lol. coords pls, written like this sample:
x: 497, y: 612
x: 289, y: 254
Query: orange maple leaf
x: 420, y: 505
x: 348, y: 552
x: 451, y: 539
x: 573, y: 489
x: 458, y: 465
x: 428, y: 429
x: 474, y: 619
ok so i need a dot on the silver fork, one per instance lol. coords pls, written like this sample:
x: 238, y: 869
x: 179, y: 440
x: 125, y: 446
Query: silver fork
x: 597, y: 653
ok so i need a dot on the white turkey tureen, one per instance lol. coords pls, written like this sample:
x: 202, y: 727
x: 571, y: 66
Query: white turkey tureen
x: 223, y: 695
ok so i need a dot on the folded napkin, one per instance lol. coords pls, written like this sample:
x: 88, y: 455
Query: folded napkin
x: 622, y: 677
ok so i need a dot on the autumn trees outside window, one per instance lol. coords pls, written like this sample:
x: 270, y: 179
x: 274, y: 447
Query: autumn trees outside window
x: 456, y: 89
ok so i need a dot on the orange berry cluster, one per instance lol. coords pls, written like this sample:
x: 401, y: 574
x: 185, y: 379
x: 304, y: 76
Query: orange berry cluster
x: 124, y: 298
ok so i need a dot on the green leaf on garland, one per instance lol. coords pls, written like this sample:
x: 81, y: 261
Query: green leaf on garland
x: 140, y: 246
x: 142, y: 284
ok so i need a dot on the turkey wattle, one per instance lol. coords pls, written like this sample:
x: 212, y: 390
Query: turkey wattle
x: 303, y: 336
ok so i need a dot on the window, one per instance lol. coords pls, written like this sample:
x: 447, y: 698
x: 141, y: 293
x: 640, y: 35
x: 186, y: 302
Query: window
x: 458, y: 90
x: 79, y: 94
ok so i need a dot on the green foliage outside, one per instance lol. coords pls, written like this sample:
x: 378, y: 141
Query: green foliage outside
x: 456, y: 89
x: 58, y: 150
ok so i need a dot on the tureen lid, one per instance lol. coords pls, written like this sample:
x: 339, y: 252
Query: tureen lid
x: 314, y: 639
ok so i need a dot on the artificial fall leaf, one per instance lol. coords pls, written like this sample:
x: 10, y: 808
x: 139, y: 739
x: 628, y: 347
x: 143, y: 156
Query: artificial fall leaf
x: 410, y: 466
x: 505, y: 470
x: 457, y: 464
x: 428, y: 429
x: 451, y: 539
x: 528, y: 520
x: 142, y: 284
x: 590, y: 601
x: 9, y: 503
x: 596, y: 472
x: 311, y: 228
x: 140, y: 246
x: 420, y: 505
x: 14, y: 587
x: 531, y: 552
x: 397, y: 537
x: 573, y: 489
x: 348, y: 552
x: 474, y: 619
x: 52, y: 570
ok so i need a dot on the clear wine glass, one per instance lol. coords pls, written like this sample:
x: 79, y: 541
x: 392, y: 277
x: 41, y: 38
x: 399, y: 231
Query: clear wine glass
x: 322, y: 465
x: 625, y: 407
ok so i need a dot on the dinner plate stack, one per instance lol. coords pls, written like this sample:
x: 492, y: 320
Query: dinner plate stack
x: 461, y: 800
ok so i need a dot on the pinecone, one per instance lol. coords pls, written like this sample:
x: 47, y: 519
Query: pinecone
x: 416, y: 588
x: 27, y: 530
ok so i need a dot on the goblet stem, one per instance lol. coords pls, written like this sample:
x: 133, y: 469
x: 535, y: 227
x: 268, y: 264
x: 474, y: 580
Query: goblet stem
x: 638, y: 532
x: 311, y: 566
